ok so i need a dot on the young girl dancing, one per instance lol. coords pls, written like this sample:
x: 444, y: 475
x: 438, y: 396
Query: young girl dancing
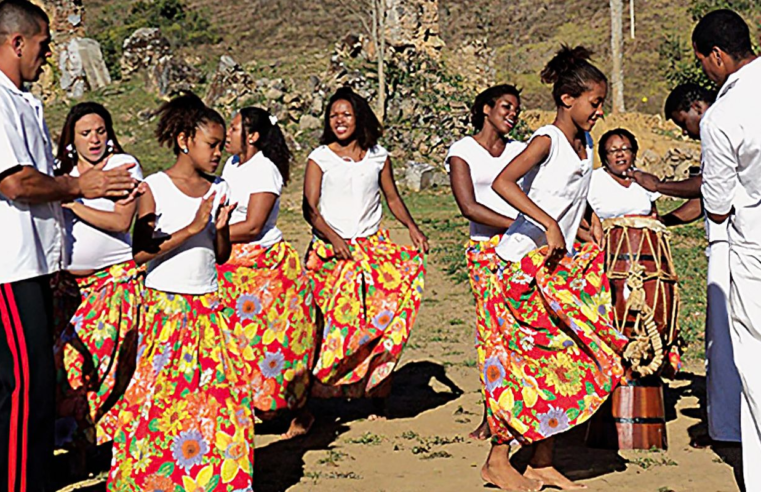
x: 473, y: 164
x: 187, y: 423
x: 367, y: 287
x: 263, y: 282
x: 552, y: 359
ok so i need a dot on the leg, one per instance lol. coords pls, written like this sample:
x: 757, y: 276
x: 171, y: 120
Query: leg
x: 499, y: 472
x: 541, y: 468
x: 27, y: 380
x: 379, y: 398
x: 483, y: 431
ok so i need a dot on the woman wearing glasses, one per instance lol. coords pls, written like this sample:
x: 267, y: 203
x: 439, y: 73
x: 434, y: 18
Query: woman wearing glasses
x: 612, y: 193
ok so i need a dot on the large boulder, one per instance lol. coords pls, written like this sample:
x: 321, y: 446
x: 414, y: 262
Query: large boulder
x: 229, y: 84
x: 415, y: 24
x: 172, y: 75
x: 143, y: 49
x: 82, y: 67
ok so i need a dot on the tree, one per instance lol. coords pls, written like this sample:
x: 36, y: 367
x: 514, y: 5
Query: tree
x: 616, y: 50
x: 372, y: 15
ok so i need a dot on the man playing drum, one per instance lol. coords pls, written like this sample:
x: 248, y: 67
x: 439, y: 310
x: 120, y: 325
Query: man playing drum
x: 686, y: 106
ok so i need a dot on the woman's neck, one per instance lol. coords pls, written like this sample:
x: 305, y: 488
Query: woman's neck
x: 247, y: 154
x: 183, y: 168
x: 349, y: 148
x: 566, y: 125
x: 492, y: 141
x: 625, y: 182
x: 85, y: 165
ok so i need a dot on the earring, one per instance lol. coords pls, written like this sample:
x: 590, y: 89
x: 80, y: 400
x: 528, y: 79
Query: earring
x: 71, y: 152
x: 110, y: 146
x: 185, y: 150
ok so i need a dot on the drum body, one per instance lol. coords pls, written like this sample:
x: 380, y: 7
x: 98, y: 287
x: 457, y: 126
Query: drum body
x: 644, y: 291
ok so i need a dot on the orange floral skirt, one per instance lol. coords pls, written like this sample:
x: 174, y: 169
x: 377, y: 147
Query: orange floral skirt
x: 268, y: 292
x: 95, y: 350
x: 369, y: 305
x: 552, y: 354
x: 188, y: 421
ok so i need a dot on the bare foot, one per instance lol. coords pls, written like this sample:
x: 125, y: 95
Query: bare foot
x: 508, y: 478
x: 553, y: 478
x: 300, y: 425
x: 482, y: 433
x: 379, y: 410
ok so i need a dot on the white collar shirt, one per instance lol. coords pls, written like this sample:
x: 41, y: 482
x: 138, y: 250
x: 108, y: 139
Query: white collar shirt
x: 730, y: 132
x: 32, y: 243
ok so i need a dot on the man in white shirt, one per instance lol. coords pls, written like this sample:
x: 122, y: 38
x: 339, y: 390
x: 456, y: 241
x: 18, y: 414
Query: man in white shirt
x: 731, y: 135
x: 31, y: 249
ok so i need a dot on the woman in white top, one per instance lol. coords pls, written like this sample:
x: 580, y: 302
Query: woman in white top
x: 97, y: 301
x: 367, y: 287
x: 188, y: 414
x: 473, y: 164
x: 612, y: 193
x: 553, y: 358
x: 263, y: 282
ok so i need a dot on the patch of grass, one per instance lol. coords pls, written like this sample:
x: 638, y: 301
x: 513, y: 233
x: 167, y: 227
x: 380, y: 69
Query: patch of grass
x: 344, y: 475
x: 410, y: 435
x: 653, y: 459
x: 333, y: 458
x: 456, y: 322
x: 436, y: 454
x: 367, y: 439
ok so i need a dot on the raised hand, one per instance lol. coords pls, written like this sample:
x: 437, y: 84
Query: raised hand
x: 648, y: 181
x: 223, y: 215
x: 114, y: 183
x: 203, y: 215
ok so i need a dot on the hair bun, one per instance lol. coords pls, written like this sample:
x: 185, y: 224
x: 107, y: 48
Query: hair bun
x: 566, y: 60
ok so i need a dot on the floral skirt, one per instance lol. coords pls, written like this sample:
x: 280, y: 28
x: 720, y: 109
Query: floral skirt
x: 188, y: 420
x: 369, y: 305
x: 482, y: 261
x: 270, y: 294
x: 553, y: 355
x: 95, y: 345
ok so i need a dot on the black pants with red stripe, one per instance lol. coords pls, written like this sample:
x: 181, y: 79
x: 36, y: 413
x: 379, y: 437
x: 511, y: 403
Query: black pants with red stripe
x: 27, y: 385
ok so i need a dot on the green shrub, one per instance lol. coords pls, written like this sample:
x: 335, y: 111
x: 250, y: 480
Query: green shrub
x: 181, y: 26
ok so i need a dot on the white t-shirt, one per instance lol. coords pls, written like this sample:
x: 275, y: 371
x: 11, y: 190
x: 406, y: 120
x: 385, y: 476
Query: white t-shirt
x: 91, y: 248
x: 610, y: 199
x: 350, y: 200
x: 484, y: 169
x: 32, y: 243
x: 257, y: 175
x: 559, y: 186
x: 730, y: 134
x: 190, y: 268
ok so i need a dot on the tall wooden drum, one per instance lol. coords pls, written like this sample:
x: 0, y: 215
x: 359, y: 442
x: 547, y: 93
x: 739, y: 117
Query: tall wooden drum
x: 645, y: 297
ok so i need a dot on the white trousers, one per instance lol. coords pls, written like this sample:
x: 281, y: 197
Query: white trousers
x: 723, y: 385
x: 745, y: 303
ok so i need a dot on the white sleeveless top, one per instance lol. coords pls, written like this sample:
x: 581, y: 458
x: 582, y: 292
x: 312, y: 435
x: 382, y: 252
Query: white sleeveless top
x: 610, y: 199
x: 190, y: 268
x: 559, y: 186
x: 257, y: 175
x: 350, y: 200
x: 484, y: 169
x: 91, y: 248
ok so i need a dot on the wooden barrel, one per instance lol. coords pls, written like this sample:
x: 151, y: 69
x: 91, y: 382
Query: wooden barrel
x: 634, y: 417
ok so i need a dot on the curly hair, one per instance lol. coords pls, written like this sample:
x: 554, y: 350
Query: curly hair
x: 368, y: 129
x: 79, y: 111
x: 684, y: 95
x: 570, y: 72
x: 183, y: 114
x: 489, y: 97
x: 271, y: 139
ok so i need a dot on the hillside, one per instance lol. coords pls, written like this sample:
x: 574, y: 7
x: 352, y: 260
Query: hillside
x: 293, y: 37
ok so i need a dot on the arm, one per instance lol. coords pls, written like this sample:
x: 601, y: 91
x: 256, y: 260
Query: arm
x: 719, y: 169
x: 462, y: 187
x: 312, y: 191
x: 398, y: 208
x: 259, y: 207
x: 690, y: 211
x: 506, y: 186
x: 688, y: 188
x: 222, y: 244
x: 119, y: 220
x: 145, y: 247
x: 25, y: 183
